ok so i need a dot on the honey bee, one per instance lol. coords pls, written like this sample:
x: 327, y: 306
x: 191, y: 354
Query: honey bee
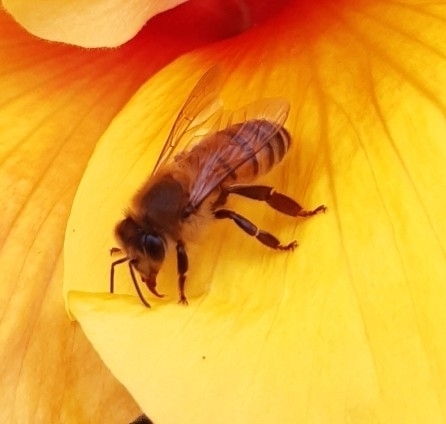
x: 185, y: 189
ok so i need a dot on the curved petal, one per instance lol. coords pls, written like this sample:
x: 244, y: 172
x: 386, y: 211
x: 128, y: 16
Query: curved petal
x: 56, y: 101
x: 100, y: 23
x: 350, y: 326
x: 110, y: 23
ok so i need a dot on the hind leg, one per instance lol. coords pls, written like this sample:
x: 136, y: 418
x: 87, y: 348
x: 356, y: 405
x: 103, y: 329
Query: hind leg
x: 248, y: 227
x: 276, y: 200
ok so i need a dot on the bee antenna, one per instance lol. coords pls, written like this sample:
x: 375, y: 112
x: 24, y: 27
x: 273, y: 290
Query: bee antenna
x: 135, y: 283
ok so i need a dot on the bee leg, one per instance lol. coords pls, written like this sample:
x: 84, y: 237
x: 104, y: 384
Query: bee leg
x: 115, y: 250
x: 183, y: 266
x: 276, y: 200
x: 221, y: 199
x: 248, y: 227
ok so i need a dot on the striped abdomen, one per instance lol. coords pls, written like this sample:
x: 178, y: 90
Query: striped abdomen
x: 246, y: 140
x: 238, y: 154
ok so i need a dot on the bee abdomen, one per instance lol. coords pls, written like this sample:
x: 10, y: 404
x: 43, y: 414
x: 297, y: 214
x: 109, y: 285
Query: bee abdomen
x: 265, y: 159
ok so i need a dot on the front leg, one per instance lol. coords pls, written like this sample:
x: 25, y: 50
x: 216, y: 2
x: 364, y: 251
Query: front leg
x: 183, y: 266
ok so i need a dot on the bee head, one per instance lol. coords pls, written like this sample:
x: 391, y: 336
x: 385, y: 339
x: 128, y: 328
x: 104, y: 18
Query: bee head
x: 146, y: 250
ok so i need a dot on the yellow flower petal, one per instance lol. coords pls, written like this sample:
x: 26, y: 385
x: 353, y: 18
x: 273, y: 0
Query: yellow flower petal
x: 100, y: 23
x: 53, y: 108
x: 350, y: 326
x: 56, y: 101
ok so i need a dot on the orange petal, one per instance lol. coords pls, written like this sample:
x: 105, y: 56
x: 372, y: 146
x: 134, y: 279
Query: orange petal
x: 350, y: 326
x: 109, y: 23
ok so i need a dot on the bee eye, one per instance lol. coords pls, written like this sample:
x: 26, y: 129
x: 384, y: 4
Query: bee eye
x: 153, y: 245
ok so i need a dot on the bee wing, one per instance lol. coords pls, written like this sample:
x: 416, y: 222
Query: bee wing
x: 202, y: 105
x: 251, y: 137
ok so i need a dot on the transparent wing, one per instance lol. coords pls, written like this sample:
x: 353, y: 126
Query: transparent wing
x: 202, y: 105
x: 250, y: 128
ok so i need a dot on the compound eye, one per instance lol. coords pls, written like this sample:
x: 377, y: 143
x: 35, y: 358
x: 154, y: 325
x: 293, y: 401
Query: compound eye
x: 153, y: 245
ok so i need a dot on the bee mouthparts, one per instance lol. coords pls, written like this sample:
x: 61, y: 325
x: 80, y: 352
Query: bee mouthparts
x: 151, y: 285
